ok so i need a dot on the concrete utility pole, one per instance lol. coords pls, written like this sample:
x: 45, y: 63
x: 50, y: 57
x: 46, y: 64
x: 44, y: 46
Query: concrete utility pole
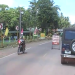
x: 20, y: 24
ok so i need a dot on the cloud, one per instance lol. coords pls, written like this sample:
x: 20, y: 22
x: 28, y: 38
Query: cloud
x: 72, y: 19
x: 14, y: 3
x: 7, y: 2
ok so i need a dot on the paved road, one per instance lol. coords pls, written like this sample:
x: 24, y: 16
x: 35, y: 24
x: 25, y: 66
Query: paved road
x: 39, y: 59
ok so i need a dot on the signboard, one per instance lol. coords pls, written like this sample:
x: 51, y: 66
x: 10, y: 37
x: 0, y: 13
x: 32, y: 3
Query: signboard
x: 17, y: 28
x: 42, y: 35
x: 60, y: 30
x: 55, y: 40
x: 1, y: 26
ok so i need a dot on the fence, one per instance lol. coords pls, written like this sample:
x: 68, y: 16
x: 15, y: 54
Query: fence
x: 9, y: 41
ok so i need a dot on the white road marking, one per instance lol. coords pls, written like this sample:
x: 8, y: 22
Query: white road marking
x: 26, y: 49
x: 44, y: 43
x: 12, y: 54
x: 29, y: 48
x: 8, y: 55
x: 45, y: 55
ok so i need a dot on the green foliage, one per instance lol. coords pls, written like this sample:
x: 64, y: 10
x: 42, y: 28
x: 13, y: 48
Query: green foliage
x: 42, y: 13
x: 45, y: 13
x: 64, y: 22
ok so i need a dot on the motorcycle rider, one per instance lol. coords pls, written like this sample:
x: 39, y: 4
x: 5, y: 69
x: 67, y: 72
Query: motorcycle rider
x: 22, y: 39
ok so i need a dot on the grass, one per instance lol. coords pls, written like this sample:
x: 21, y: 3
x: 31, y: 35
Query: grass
x: 14, y: 43
x: 11, y: 43
x: 5, y: 44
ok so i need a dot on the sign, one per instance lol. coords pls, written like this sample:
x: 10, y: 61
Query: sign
x: 17, y: 28
x: 55, y: 40
x: 42, y: 35
x: 40, y: 29
x: 1, y: 25
x: 60, y: 30
x: 22, y: 31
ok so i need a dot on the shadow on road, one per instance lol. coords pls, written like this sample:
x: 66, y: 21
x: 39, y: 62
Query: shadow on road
x: 22, y: 53
x: 69, y: 64
x: 55, y: 48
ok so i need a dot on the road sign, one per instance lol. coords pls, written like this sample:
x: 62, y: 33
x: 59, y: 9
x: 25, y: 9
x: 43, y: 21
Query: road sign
x: 1, y: 25
x: 17, y: 28
x: 55, y: 40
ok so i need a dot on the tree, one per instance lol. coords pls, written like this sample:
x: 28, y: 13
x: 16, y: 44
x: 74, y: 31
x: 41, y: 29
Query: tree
x: 64, y: 21
x: 3, y: 7
x: 33, y: 13
x: 47, y: 14
x: 42, y: 13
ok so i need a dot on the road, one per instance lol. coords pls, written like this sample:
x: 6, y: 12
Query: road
x: 39, y: 59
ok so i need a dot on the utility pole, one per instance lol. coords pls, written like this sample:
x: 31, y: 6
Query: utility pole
x: 20, y: 24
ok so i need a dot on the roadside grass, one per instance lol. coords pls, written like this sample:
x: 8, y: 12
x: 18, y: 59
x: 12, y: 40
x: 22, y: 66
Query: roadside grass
x: 14, y: 43
x: 5, y: 44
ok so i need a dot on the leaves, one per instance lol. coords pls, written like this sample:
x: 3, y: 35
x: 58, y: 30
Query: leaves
x: 41, y: 13
x: 64, y: 21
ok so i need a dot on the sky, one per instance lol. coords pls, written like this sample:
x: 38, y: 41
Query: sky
x: 66, y: 6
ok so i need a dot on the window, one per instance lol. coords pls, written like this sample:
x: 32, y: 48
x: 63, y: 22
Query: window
x: 69, y: 34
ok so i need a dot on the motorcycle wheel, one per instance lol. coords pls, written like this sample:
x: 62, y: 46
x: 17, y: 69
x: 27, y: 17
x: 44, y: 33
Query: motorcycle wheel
x: 18, y: 51
x: 23, y: 50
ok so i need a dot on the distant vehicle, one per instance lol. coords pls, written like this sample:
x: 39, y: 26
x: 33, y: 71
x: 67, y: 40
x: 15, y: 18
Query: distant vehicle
x: 68, y: 46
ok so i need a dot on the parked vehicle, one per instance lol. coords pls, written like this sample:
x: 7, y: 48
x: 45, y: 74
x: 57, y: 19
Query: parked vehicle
x: 68, y: 46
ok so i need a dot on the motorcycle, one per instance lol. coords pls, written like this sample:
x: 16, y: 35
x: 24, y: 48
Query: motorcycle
x: 21, y: 46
